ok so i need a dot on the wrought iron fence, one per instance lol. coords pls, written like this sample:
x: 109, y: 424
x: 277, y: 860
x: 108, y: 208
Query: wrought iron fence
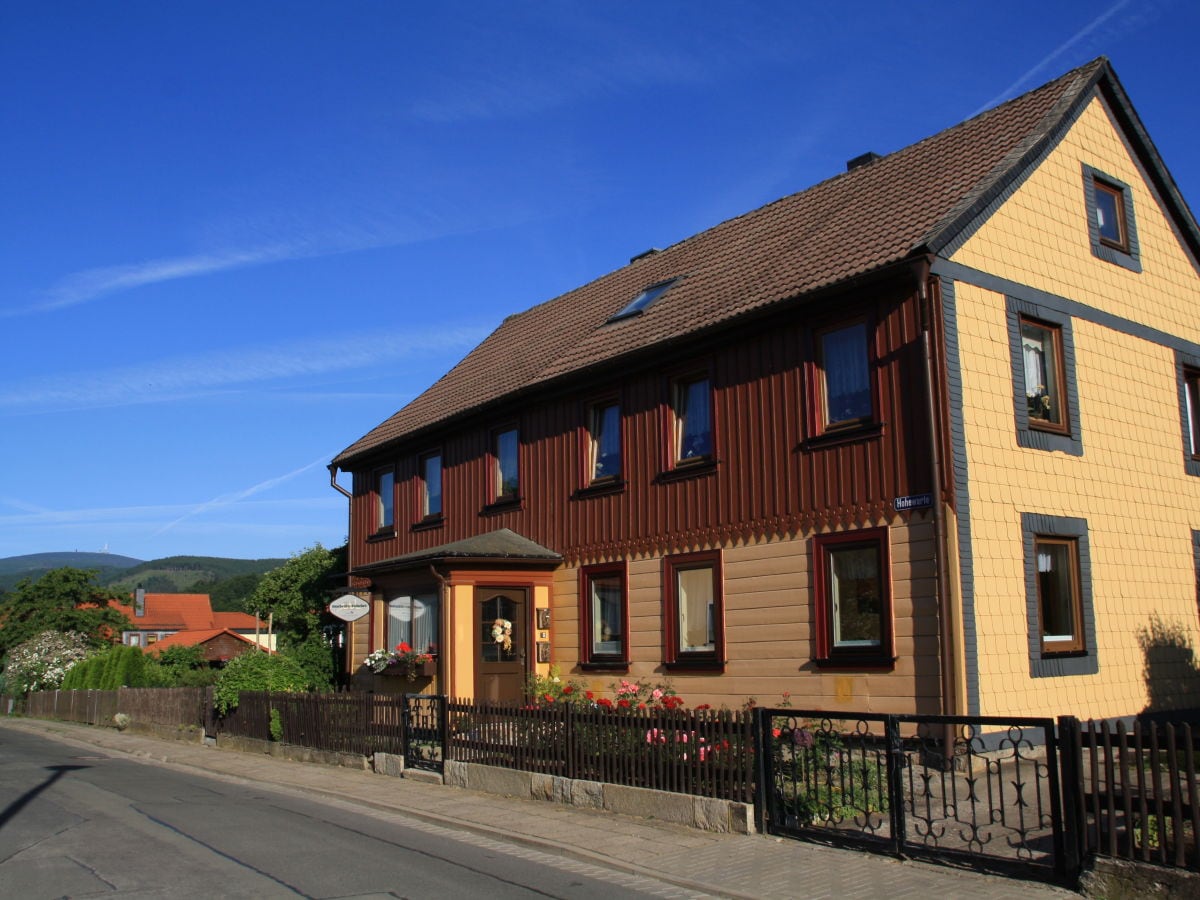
x: 704, y: 753
x: 978, y: 789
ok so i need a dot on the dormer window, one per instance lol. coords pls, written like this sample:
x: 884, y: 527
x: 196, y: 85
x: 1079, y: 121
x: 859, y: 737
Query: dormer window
x: 643, y: 300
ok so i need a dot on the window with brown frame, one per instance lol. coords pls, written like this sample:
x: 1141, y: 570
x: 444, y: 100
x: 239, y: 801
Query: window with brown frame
x: 430, y: 505
x: 691, y: 421
x: 1110, y: 216
x: 853, y: 603
x: 843, y: 374
x: 693, y: 611
x: 1044, y: 372
x: 1060, y: 605
x: 1058, y: 596
x: 385, y: 499
x: 603, y: 617
x: 1191, y: 381
x: 506, y: 482
x: 603, y: 443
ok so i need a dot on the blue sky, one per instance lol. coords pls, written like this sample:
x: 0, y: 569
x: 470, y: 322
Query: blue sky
x: 237, y: 236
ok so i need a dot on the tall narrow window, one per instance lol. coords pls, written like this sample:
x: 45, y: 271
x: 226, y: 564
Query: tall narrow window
x: 1110, y: 215
x: 692, y: 412
x: 1058, y: 596
x: 385, y: 499
x: 1191, y: 378
x: 1112, y: 230
x: 604, y: 617
x: 431, y: 486
x: 506, y: 483
x: 694, y: 626
x: 1060, y: 610
x: 604, y: 443
x: 845, y: 374
x: 1041, y: 348
x: 853, y: 611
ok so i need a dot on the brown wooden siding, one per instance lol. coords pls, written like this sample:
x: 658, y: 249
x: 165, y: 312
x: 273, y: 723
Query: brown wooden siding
x: 768, y: 481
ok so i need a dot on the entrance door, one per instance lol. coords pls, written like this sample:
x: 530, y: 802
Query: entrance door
x: 500, y: 643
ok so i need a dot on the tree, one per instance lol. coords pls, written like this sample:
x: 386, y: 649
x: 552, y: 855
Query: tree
x: 61, y: 600
x: 257, y: 671
x: 297, y: 593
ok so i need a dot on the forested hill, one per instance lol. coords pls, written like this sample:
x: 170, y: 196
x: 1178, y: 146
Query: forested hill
x: 34, y: 565
x: 227, y: 581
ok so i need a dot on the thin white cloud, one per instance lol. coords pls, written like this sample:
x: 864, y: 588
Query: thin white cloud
x: 34, y: 516
x: 1042, y: 64
x: 205, y: 374
x: 245, y: 494
x: 91, y: 284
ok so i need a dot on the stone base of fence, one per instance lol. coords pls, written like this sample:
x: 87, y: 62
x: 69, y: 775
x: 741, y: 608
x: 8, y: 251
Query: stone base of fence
x: 293, y: 752
x: 1119, y: 879
x: 188, y: 734
x: 681, y: 809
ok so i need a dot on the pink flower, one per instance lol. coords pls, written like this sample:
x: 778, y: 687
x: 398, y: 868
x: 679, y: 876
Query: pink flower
x: 656, y: 694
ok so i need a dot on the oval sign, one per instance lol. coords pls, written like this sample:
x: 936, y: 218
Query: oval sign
x: 348, y: 607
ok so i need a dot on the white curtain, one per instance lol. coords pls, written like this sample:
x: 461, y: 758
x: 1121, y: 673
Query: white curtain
x: 694, y: 594
x: 413, y: 620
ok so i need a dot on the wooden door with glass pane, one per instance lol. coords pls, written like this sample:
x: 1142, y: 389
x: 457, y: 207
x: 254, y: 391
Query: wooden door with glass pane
x: 500, y: 632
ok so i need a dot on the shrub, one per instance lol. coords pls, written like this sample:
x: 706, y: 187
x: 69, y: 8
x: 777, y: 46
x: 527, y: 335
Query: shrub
x: 257, y: 671
x: 42, y: 662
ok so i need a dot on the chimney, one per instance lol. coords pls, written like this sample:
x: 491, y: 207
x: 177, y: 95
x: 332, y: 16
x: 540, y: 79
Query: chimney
x: 139, y: 602
x: 860, y: 161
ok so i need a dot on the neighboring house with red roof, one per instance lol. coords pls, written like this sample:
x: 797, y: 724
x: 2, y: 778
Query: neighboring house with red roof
x: 217, y: 644
x: 924, y: 437
x: 156, y: 617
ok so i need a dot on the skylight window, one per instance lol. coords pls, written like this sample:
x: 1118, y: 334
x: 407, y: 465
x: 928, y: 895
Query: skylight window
x: 643, y: 300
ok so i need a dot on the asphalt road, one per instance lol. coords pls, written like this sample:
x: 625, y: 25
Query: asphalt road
x: 75, y: 823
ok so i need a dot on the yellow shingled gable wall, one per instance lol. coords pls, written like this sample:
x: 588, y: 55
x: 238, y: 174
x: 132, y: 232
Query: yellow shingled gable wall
x: 1130, y: 484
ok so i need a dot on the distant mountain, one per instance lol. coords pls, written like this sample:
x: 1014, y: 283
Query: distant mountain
x: 43, y: 562
x: 213, y: 575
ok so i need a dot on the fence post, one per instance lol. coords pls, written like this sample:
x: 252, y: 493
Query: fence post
x: 760, y: 737
x: 895, y: 773
x: 1070, y: 757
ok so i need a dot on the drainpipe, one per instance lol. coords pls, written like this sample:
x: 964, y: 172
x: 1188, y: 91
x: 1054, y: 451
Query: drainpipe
x: 946, y: 623
x: 444, y: 616
x: 333, y: 470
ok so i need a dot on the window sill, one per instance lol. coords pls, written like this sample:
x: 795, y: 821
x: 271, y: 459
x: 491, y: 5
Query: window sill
x: 383, y: 534
x: 696, y: 468
x: 600, y: 489
x: 508, y: 504
x: 428, y: 523
x: 695, y: 665
x: 856, y: 661
x: 867, y: 432
x: 605, y: 666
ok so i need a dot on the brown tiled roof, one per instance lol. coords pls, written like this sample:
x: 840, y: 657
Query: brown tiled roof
x: 907, y: 203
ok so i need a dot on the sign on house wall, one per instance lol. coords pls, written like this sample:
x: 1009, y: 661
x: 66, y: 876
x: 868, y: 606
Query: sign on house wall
x: 349, y: 608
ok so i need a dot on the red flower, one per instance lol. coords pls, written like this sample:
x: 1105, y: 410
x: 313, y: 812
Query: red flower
x: 403, y: 647
x: 568, y: 690
x: 704, y: 706
x: 550, y: 699
x: 623, y: 703
x: 590, y: 695
x: 605, y: 702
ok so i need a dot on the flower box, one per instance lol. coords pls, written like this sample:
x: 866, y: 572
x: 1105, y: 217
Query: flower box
x: 416, y: 670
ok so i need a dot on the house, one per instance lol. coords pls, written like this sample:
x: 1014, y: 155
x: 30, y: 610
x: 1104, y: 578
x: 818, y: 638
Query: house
x: 218, y: 645
x: 156, y: 617
x: 922, y: 438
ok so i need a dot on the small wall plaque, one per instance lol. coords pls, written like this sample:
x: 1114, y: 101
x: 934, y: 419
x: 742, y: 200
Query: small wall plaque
x: 543, y: 618
x: 543, y: 651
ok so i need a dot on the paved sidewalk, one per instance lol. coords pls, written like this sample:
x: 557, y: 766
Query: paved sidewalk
x: 727, y: 865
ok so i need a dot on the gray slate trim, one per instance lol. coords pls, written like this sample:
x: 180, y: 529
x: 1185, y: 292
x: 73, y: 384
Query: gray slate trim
x: 1062, y: 305
x: 1051, y: 666
x: 1027, y: 436
x: 962, y: 494
x: 1196, y: 555
x: 1130, y: 260
x: 1186, y: 361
